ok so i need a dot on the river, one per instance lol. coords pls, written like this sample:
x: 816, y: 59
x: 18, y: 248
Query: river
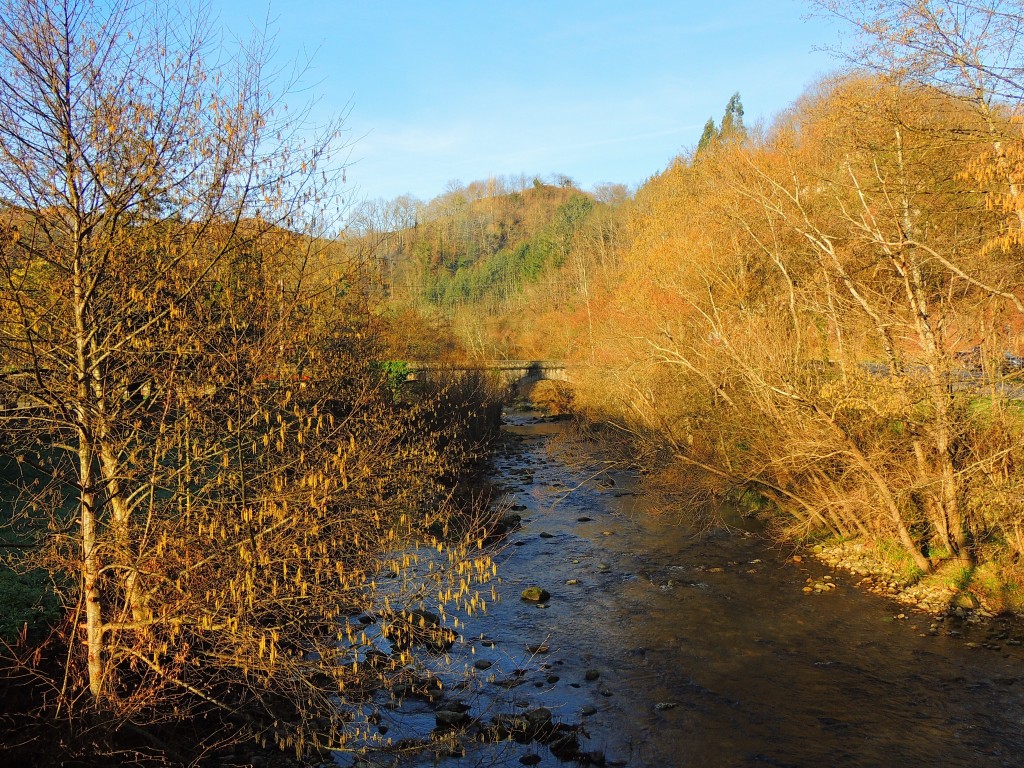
x: 664, y: 648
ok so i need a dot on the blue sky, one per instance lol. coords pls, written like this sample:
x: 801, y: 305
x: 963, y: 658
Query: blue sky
x: 600, y: 91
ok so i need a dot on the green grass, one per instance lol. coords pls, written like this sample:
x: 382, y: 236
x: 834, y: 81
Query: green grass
x: 27, y: 604
x: 984, y: 407
x: 896, y: 557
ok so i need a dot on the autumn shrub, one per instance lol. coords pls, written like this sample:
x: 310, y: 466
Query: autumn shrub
x: 210, y: 464
x: 553, y: 397
x: 804, y: 293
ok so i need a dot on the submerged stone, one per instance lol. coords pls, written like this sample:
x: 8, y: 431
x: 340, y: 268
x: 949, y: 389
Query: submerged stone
x: 535, y: 595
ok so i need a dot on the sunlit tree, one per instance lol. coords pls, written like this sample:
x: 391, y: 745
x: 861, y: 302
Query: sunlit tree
x: 216, y: 474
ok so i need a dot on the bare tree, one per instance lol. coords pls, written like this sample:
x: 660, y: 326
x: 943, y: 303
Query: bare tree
x: 215, y: 472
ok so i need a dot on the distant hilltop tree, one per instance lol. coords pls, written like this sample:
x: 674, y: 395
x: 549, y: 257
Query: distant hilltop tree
x: 731, y: 126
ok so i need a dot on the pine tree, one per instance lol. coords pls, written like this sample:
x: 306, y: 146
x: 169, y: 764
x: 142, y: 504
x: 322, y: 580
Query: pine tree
x: 709, y: 136
x: 732, y: 120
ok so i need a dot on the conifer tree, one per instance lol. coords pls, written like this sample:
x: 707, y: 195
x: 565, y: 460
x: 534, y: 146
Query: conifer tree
x: 708, y: 137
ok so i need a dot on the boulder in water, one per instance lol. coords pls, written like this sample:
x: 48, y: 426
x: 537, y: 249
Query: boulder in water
x: 535, y: 595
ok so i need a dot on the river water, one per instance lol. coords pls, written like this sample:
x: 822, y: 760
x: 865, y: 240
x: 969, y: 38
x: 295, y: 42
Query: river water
x: 704, y: 650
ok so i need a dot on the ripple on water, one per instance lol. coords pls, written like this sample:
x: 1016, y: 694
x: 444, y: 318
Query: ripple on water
x: 757, y: 672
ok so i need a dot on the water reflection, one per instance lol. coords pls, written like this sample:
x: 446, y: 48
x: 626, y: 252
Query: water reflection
x: 670, y: 649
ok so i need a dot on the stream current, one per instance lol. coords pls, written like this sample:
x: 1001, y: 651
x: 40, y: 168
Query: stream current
x: 671, y: 649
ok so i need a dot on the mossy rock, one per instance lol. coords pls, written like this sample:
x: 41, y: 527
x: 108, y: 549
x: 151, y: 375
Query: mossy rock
x: 535, y: 595
x: 966, y: 600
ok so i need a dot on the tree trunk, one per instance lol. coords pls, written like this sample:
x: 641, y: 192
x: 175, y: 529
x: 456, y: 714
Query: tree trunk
x: 91, y: 563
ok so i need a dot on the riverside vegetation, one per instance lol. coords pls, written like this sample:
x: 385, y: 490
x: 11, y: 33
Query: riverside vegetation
x: 818, y: 318
x: 210, y: 472
x: 215, y: 481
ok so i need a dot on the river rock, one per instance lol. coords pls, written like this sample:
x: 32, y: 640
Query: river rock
x: 563, y: 743
x: 965, y: 600
x: 663, y: 706
x: 510, y: 726
x: 446, y: 719
x: 538, y: 716
x: 530, y: 759
x: 591, y: 675
x: 425, y: 688
x: 508, y: 522
x: 535, y: 595
x: 588, y: 710
x: 482, y: 664
x: 538, y: 723
x: 546, y: 535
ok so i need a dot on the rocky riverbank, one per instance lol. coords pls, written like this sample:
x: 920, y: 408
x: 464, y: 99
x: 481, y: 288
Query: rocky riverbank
x: 940, y: 594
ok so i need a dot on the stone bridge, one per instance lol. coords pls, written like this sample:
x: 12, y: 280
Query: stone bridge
x: 510, y: 372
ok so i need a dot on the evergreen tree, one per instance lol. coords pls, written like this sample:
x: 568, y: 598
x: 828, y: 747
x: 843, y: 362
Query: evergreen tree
x: 709, y: 136
x: 731, y: 126
x: 732, y: 120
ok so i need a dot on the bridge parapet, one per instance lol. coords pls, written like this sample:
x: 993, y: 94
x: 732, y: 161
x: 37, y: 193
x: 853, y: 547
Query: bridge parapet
x: 509, y: 371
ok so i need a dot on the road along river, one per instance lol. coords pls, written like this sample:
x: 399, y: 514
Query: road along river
x: 658, y: 647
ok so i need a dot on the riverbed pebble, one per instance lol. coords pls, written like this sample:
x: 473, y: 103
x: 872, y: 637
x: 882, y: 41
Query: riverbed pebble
x: 929, y: 595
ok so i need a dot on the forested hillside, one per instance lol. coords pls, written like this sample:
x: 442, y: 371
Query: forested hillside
x: 474, y: 255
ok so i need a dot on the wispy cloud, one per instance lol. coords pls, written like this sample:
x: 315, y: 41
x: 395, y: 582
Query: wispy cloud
x: 612, y: 94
